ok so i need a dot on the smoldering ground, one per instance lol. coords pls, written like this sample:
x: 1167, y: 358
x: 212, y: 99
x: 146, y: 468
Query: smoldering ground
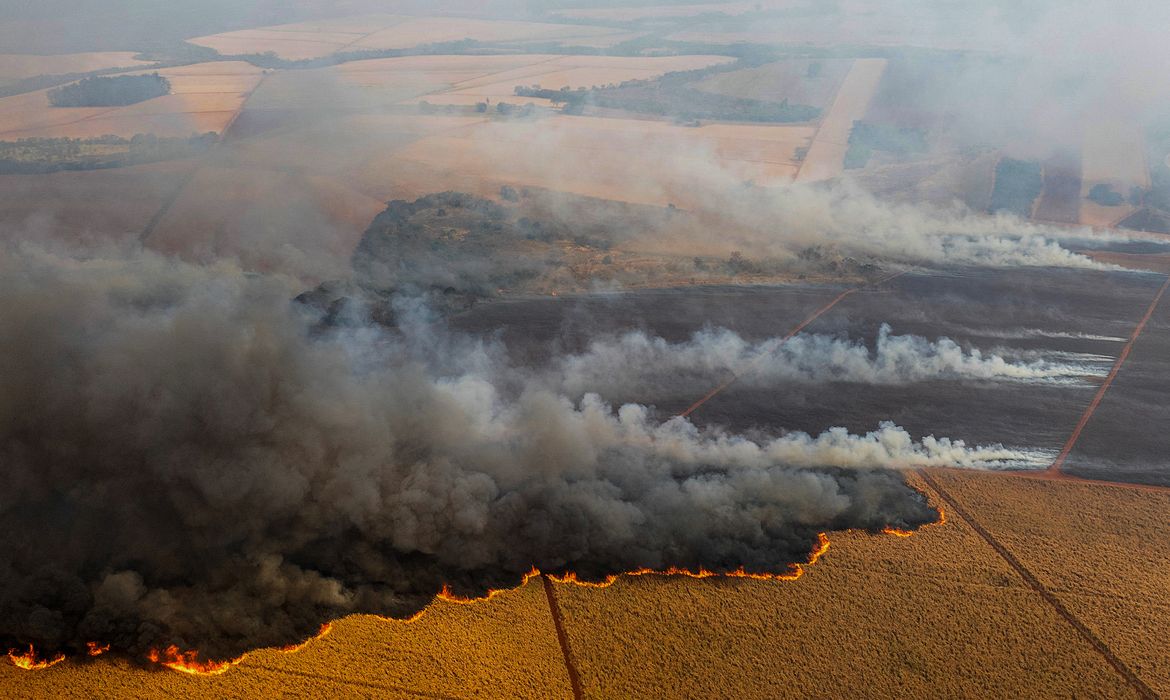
x: 186, y: 463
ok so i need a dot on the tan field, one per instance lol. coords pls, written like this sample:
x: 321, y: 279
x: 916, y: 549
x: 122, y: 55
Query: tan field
x: 1114, y: 154
x: 205, y: 97
x: 611, y: 155
x: 826, y: 156
x: 316, y: 39
x: 86, y: 208
x: 467, y: 80
x: 16, y: 66
x: 268, y: 219
x: 782, y: 80
x: 939, y: 614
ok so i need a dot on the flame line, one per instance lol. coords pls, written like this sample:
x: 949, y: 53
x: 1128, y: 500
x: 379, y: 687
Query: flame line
x: 735, y: 376
x: 1034, y: 583
x: 1055, y: 468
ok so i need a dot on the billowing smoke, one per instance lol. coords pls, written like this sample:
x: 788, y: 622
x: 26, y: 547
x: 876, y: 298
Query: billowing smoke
x: 640, y: 363
x: 190, y: 459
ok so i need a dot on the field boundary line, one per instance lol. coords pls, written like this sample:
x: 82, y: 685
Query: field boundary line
x: 735, y: 376
x: 562, y: 638
x: 1034, y: 583
x: 1055, y: 467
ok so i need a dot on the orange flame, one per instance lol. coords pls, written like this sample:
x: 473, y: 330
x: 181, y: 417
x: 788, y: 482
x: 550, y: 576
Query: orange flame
x: 446, y: 594
x: 96, y: 648
x: 293, y: 648
x: 29, y: 661
x: 188, y: 661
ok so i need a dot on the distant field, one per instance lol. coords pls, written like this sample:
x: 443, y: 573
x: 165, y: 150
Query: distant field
x: 628, y: 160
x: 1114, y: 154
x: 826, y: 156
x: 15, y: 66
x: 205, y: 97
x: 800, y: 81
x: 316, y: 39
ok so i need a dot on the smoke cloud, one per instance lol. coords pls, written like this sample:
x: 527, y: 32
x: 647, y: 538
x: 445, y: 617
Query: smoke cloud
x: 192, y: 460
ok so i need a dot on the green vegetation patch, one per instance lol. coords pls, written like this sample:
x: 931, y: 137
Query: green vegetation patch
x: 1017, y: 185
x: 114, y: 91
x: 46, y: 155
x: 867, y: 137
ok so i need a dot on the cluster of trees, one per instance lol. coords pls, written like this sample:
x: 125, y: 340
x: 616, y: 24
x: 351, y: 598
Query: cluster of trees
x: 867, y: 137
x: 110, y: 92
x: 43, y: 155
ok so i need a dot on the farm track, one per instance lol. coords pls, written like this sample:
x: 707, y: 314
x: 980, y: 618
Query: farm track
x: 554, y: 609
x: 1029, y: 578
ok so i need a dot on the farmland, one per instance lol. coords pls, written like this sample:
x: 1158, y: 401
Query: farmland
x: 937, y: 612
x: 372, y: 32
x: 204, y: 97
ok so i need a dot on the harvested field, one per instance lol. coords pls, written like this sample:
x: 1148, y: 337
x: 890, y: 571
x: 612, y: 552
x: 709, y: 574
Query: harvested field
x: 615, y: 151
x: 317, y: 39
x: 205, y: 97
x: 783, y: 80
x: 826, y: 156
x: 17, y: 66
x: 938, y: 614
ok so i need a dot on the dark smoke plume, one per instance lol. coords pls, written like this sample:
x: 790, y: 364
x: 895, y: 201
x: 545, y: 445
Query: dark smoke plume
x: 187, y: 461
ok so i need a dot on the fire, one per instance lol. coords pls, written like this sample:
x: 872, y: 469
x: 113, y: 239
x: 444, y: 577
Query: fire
x: 96, y: 648
x: 188, y: 661
x: 293, y: 648
x: 446, y: 594
x: 29, y: 661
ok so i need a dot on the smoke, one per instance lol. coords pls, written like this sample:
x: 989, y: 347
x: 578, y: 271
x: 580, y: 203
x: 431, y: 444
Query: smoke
x: 190, y: 459
x: 638, y: 363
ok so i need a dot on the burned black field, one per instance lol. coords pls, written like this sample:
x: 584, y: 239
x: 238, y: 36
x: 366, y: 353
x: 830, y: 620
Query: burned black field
x: 1026, y: 313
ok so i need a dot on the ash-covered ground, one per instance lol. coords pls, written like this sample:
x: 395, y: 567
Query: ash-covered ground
x: 1081, y: 318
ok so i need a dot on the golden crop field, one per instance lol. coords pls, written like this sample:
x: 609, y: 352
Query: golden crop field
x: 204, y: 97
x: 16, y: 66
x: 316, y: 39
x: 940, y: 613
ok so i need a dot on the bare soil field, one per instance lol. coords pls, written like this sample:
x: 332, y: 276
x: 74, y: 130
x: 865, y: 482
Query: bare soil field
x: 940, y: 613
x: 204, y: 97
x: 826, y: 156
x: 316, y: 39
x: 783, y: 80
x: 16, y: 66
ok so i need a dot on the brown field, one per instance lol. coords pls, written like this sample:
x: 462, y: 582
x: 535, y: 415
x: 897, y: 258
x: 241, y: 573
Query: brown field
x: 826, y: 156
x: 1060, y: 201
x: 86, y: 208
x: 782, y: 80
x: 268, y: 219
x: 938, y: 614
x: 205, y: 97
x: 316, y: 39
x: 16, y: 66
x: 1114, y: 153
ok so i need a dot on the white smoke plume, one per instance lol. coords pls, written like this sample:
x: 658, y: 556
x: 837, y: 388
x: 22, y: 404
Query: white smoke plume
x: 640, y: 363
